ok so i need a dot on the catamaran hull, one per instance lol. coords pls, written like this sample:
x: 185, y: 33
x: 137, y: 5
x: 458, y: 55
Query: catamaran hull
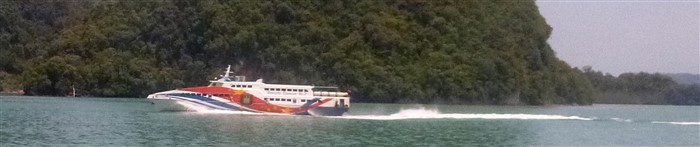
x: 189, y: 101
x: 258, y: 97
x: 328, y: 111
x: 170, y: 105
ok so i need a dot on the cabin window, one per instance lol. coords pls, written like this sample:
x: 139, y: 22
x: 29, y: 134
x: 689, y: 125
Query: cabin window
x: 303, y: 100
x: 266, y: 89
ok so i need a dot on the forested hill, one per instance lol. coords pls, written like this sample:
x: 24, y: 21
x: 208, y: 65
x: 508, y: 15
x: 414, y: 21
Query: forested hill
x: 464, y: 51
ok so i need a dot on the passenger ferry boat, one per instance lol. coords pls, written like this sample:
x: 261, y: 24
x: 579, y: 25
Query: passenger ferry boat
x: 259, y: 97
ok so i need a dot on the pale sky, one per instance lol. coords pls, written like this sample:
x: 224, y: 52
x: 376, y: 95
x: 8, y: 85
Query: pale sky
x: 626, y: 36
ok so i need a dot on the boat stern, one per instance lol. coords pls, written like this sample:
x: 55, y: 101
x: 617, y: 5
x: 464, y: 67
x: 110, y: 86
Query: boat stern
x: 328, y: 111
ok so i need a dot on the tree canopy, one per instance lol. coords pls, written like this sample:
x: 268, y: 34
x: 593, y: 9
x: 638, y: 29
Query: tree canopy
x: 641, y: 88
x: 419, y: 51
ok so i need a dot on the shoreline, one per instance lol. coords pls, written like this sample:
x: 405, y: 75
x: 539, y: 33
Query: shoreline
x: 463, y: 104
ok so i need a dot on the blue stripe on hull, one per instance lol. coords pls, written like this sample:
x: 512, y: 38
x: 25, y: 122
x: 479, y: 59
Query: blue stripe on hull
x: 196, y: 102
x: 208, y: 101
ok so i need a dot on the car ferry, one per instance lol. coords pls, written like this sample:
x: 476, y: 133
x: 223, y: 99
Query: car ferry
x: 237, y: 94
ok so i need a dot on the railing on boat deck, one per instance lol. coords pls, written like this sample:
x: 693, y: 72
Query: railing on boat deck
x: 328, y: 93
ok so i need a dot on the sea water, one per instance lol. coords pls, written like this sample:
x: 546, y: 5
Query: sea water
x: 62, y: 121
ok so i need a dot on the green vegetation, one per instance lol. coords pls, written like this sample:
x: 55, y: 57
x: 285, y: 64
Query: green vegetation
x: 641, y: 88
x: 684, y: 78
x: 416, y: 51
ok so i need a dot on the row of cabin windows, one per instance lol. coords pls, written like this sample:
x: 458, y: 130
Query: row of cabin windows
x: 287, y: 90
x: 289, y: 100
x: 242, y: 86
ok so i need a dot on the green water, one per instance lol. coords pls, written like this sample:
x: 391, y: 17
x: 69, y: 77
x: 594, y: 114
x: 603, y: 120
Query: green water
x: 42, y: 121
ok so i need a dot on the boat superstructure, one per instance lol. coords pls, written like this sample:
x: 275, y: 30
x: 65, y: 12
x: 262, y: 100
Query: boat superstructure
x: 237, y: 94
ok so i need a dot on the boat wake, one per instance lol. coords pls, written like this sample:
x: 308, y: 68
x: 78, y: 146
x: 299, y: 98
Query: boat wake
x: 677, y: 123
x: 422, y: 113
x: 434, y: 114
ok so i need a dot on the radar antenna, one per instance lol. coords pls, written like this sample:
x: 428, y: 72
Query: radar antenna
x: 226, y: 77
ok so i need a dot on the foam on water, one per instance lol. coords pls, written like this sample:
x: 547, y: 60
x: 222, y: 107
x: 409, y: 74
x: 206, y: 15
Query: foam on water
x: 422, y: 113
x: 621, y: 119
x: 676, y: 123
x: 434, y: 114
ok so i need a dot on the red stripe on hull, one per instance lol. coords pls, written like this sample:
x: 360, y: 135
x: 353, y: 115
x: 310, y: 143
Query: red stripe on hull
x: 258, y: 104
